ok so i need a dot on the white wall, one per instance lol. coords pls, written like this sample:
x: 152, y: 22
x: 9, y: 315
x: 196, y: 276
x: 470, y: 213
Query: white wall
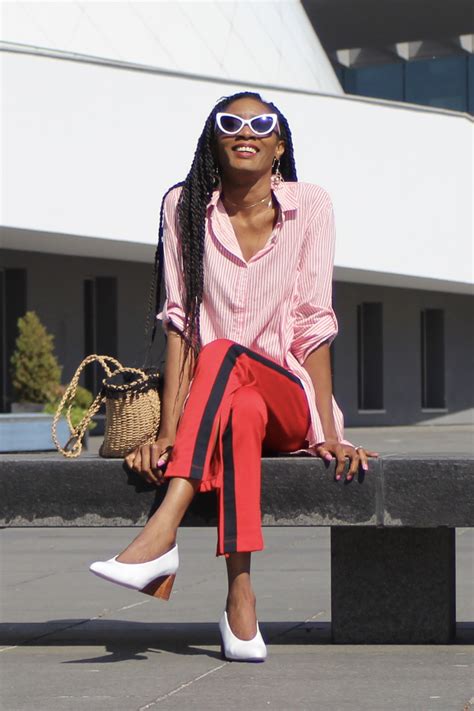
x: 89, y: 150
x: 260, y: 41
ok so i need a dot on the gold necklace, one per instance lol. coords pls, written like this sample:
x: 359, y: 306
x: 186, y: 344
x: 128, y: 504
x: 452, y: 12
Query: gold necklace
x: 246, y: 207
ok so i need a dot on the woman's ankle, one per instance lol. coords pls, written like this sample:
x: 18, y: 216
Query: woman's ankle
x: 146, y: 547
x: 241, y: 614
x: 241, y: 593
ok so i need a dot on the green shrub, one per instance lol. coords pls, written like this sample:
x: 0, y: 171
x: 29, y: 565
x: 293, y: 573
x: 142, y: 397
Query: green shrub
x: 81, y: 403
x: 35, y: 370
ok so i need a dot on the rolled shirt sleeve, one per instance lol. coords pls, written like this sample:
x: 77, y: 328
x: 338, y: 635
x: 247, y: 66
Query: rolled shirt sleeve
x: 314, y: 319
x: 173, y: 308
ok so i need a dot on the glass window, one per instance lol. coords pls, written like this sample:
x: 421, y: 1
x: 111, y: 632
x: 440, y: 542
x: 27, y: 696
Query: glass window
x: 13, y: 302
x: 381, y: 81
x: 370, y: 356
x: 432, y: 359
x: 440, y: 82
x: 100, y: 325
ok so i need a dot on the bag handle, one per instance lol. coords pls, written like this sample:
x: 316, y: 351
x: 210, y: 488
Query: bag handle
x: 77, y: 433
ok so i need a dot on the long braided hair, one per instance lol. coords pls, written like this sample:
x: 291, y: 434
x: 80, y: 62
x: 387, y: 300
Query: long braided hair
x: 195, y: 195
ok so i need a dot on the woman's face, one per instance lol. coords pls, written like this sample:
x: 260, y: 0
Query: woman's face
x: 256, y: 153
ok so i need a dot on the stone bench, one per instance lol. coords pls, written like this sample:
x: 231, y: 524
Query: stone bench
x: 392, y: 529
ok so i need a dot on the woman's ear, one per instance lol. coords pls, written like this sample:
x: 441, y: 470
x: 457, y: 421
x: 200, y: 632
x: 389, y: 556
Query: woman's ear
x: 280, y: 149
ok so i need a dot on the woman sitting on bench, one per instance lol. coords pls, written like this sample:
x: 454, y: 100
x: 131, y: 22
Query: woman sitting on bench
x: 248, y: 261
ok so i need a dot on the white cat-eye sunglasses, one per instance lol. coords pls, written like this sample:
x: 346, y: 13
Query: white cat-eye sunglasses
x: 260, y: 125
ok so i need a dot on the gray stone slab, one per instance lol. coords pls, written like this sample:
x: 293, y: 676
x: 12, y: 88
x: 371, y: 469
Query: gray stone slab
x: 393, y: 586
x: 304, y: 491
x: 87, y: 491
x: 418, y: 491
x: 95, y: 491
x: 428, y: 491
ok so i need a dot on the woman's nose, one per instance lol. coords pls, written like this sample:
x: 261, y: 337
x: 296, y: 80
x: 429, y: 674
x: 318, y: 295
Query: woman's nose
x: 246, y: 133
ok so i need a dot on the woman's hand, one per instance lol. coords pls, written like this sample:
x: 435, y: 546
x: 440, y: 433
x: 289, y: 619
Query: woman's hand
x: 357, y: 455
x: 149, y: 460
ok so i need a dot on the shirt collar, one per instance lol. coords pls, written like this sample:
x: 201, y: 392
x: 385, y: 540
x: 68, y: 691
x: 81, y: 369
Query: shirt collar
x: 215, y: 198
x: 285, y: 195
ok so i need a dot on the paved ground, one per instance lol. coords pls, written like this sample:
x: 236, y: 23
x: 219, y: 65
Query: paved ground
x: 73, y: 642
x: 452, y: 440
x: 415, y: 439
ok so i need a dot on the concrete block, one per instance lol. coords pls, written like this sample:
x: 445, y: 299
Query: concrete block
x: 303, y: 491
x: 90, y: 491
x: 393, y: 586
x: 428, y: 491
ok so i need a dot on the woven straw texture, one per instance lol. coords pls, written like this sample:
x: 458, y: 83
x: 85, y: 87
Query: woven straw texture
x: 132, y: 410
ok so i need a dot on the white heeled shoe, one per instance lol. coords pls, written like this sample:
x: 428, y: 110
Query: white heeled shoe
x: 156, y: 577
x: 241, y: 650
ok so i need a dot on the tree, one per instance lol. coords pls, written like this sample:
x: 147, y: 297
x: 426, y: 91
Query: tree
x: 35, y: 371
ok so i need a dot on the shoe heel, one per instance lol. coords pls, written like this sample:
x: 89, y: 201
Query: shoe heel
x: 160, y: 588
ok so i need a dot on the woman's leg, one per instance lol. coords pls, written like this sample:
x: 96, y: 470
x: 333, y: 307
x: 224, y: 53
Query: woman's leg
x: 239, y: 505
x: 271, y: 414
x: 192, y: 452
x: 241, y: 600
x: 159, y: 533
x: 238, y: 401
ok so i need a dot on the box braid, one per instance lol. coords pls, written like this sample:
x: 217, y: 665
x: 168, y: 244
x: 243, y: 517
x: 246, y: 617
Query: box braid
x: 195, y: 195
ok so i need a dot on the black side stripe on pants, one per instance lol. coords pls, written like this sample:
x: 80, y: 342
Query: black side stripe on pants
x: 215, y: 398
x: 230, y: 513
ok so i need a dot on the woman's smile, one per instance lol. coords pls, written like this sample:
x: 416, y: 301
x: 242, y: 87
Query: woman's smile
x: 245, y: 150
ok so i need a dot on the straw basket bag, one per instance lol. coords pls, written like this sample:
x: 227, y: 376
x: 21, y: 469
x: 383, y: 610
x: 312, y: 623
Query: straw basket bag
x: 132, y: 409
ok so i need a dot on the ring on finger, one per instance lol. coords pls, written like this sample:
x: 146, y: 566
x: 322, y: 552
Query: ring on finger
x: 166, y: 450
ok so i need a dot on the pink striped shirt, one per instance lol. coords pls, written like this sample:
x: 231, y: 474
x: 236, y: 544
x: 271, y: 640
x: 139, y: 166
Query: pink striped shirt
x: 279, y: 303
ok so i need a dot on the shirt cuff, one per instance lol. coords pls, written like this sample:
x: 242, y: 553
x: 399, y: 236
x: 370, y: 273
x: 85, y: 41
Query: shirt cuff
x: 171, y: 315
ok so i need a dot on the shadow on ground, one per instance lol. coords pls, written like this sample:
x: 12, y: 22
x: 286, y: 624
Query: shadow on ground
x: 135, y: 640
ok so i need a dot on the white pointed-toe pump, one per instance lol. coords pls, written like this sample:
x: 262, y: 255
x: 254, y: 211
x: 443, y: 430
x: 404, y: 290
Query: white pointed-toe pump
x: 156, y: 577
x: 241, y: 650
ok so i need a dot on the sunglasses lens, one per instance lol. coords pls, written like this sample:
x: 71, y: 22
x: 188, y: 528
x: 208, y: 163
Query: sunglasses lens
x: 263, y: 124
x: 229, y: 123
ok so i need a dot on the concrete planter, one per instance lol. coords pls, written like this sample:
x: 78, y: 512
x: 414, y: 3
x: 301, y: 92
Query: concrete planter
x: 20, y: 407
x: 31, y: 432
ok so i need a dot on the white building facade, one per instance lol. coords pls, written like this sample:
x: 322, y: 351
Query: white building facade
x: 102, y: 107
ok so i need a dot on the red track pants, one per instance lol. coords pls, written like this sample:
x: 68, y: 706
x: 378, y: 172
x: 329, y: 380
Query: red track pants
x: 239, y: 404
